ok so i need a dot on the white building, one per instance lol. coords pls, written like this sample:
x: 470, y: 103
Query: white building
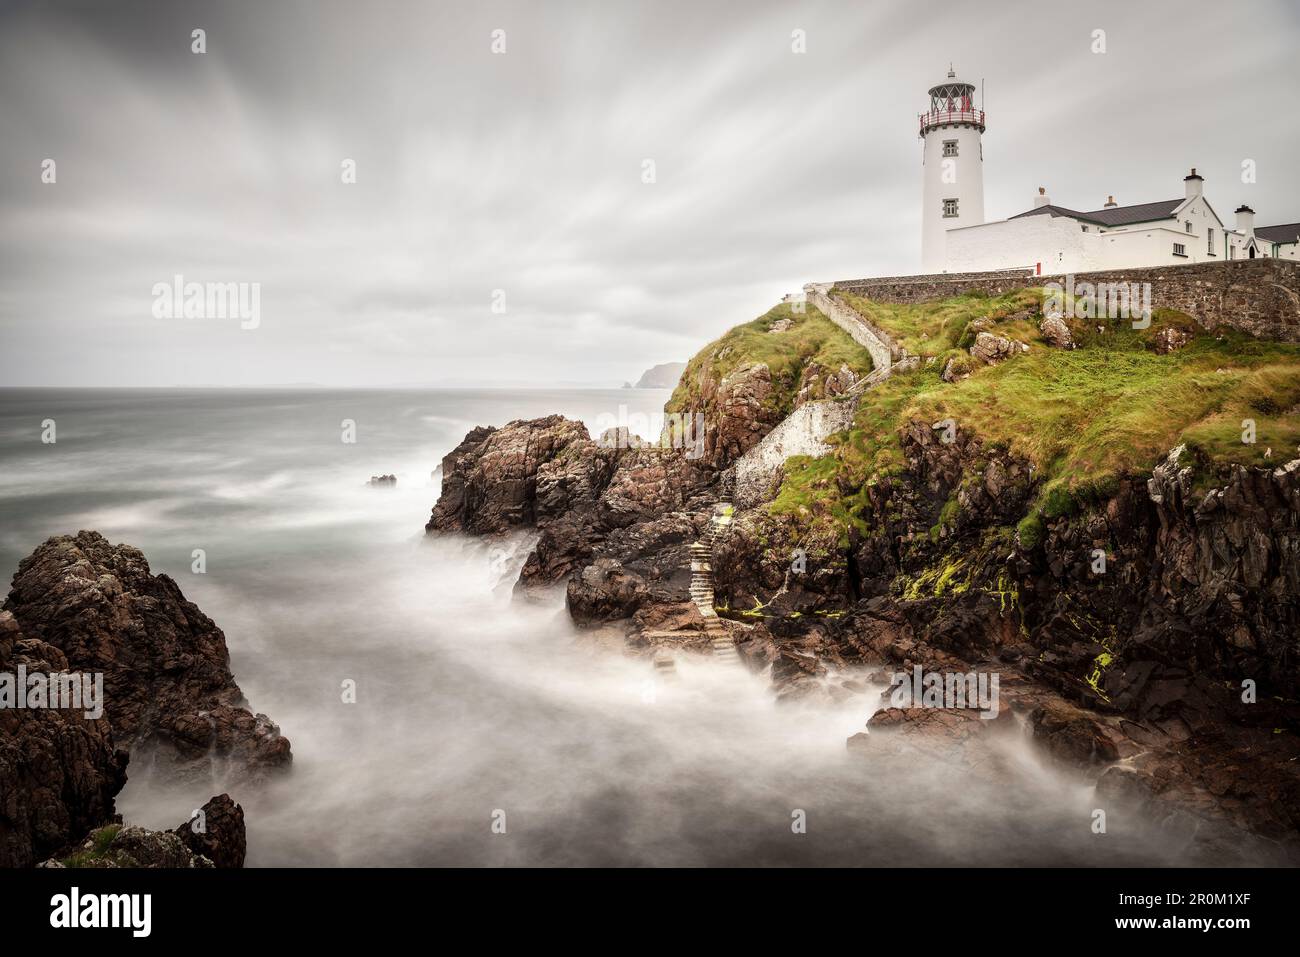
x: 1271, y: 242
x: 1055, y: 239
x: 953, y: 159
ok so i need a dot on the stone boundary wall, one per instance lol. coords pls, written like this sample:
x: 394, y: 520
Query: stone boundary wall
x: 1258, y: 296
x: 884, y: 351
x: 803, y: 432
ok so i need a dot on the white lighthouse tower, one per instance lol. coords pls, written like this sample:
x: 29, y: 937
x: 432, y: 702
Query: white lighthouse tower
x: 953, y: 167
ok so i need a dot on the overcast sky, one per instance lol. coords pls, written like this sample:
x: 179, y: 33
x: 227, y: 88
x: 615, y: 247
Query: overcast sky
x: 523, y: 171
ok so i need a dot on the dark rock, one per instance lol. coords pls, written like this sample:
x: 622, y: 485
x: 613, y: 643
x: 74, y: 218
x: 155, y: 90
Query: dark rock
x: 490, y: 481
x: 218, y: 833
x: 220, y: 844
x: 59, y: 771
x: 167, y: 680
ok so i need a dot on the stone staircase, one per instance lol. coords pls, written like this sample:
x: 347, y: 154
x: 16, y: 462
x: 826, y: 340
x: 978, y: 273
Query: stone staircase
x: 724, y: 647
x: 665, y: 664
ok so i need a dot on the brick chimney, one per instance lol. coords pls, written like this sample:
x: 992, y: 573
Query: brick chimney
x: 1042, y: 199
x: 1110, y: 201
x: 1194, y: 184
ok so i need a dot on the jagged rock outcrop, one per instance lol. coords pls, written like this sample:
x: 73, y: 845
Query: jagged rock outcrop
x: 1141, y: 661
x: 614, y: 516
x: 818, y: 382
x: 59, y: 771
x: 490, y: 481
x: 740, y: 410
x: 167, y: 680
x: 217, y: 833
x: 1170, y: 675
x: 214, y: 839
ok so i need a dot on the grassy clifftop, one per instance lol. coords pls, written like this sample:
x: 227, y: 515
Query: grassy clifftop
x: 787, y: 342
x: 1083, y: 417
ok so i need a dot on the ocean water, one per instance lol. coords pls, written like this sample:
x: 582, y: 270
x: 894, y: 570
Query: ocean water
x: 476, y: 714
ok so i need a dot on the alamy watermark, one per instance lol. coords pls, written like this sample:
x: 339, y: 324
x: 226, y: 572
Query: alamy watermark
x: 179, y: 299
x: 1103, y: 300
x: 64, y: 690
x: 676, y: 430
x: 75, y: 909
x: 933, y: 689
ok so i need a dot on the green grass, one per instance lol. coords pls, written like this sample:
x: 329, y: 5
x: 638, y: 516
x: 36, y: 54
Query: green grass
x: 811, y: 337
x: 1088, y: 416
x: 1084, y: 417
x: 101, y: 841
x: 933, y: 328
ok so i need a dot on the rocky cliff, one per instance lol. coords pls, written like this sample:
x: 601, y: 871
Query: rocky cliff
x: 662, y: 376
x: 1129, y: 567
x: 82, y: 605
x: 167, y: 680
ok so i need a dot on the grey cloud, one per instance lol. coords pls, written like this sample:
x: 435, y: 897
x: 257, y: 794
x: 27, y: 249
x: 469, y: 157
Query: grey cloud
x: 522, y: 172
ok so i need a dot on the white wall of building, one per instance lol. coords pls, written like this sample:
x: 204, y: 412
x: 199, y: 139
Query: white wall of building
x: 1061, y: 244
x: 959, y: 177
x: 1052, y: 241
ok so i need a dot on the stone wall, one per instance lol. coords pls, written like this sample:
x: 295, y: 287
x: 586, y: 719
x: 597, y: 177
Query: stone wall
x: 803, y: 432
x: 1258, y: 296
x: 884, y: 351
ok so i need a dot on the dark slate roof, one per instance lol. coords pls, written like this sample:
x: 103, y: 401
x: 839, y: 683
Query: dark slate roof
x: 1115, y: 215
x: 1279, y: 234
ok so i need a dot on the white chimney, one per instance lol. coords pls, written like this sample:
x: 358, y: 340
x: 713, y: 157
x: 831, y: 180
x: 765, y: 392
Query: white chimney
x: 1245, y: 220
x: 1110, y: 201
x: 1194, y: 184
x: 1041, y: 199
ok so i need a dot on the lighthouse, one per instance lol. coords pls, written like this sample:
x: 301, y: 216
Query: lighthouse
x: 952, y: 167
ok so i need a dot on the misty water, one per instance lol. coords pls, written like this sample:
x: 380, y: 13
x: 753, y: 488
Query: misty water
x: 469, y: 703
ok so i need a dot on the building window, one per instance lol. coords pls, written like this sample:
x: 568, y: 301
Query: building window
x: 1084, y: 228
x: 1180, y: 249
x: 949, y: 147
x: 1209, y: 241
x: 1232, y: 251
x: 1188, y: 224
x: 949, y: 208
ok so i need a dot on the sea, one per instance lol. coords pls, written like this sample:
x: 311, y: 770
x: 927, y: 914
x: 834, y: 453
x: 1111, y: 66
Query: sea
x: 436, y: 719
